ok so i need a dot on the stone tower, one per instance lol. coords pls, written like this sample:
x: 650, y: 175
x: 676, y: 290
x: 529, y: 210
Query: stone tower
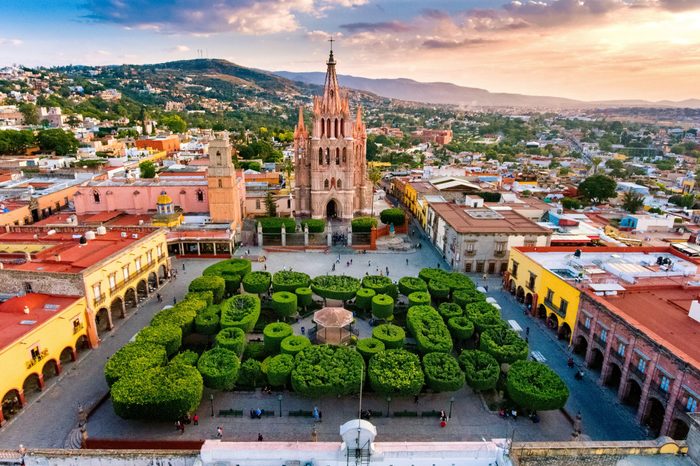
x: 223, y: 192
x: 330, y: 161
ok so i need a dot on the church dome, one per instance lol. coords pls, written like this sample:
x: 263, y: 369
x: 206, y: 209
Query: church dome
x: 164, y: 199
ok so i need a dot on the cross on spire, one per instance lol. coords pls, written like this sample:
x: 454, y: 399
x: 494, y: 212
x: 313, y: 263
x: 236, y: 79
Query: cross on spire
x: 331, y: 40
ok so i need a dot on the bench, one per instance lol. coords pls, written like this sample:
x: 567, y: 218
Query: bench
x: 301, y: 413
x: 432, y: 413
x: 537, y: 356
x: 230, y: 412
x: 405, y: 413
x: 267, y: 413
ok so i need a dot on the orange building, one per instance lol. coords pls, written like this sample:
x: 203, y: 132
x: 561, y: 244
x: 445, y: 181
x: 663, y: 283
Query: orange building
x: 225, y: 202
x: 160, y: 143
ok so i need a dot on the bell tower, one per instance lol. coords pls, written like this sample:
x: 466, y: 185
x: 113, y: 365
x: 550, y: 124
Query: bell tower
x: 224, y: 202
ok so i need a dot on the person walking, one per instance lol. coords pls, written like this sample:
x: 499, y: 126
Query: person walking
x: 219, y: 432
x: 159, y: 297
x: 183, y: 266
x: 174, y: 300
x: 407, y: 261
x: 260, y: 437
x: 527, y: 331
x: 195, y: 419
x: 314, y: 435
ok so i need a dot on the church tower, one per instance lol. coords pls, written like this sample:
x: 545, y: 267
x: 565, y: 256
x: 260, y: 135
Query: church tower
x: 330, y: 159
x: 223, y: 193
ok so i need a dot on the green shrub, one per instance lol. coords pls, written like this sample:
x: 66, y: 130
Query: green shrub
x: 287, y: 280
x: 324, y: 370
x: 232, y: 271
x: 231, y: 338
x: 426, y: 274
x: 391, y: 335
x: 158, y: 393
x: 363, y: 224
x: 257, y: 282
x: 274, y: 224
x: 305, y: 297
x: 395, y: 372
x: 284, y: 303
x: 188, y: 357
x: 181, y: 315
x: 395, y: 216
x: 466, y: 296
x: 207, y: 321
x: 457, y: 281
x: 316, y: 225
x: 250, y: 375
x: 368, y: 347
x: 461, y: 328
x: 293, y: 344
x: 279, y: 369
x: 212, y: 283
x: 241, y: 311
x: 536, y: 387
x: 503, y: 344
x: 429, y: 330
x: 408, y: 285
x: 134, y: 358
x: 339, y: 287
x: 206, y: 296
x: 273, y: 334
x: 254, y: 350
x: 419, y: 298
x: 484, y: 316
x: 378, y: 283
x: 438, y: 289
x: 442, y: 372
x: 449, y: 310
x: 363, y: 298
x: 168, y: 336
x: 382, y: 306
x: 219, y: 368
x: 481, y: 370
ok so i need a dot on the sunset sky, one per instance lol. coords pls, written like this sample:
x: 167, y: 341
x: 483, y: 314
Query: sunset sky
x: 584, y: 49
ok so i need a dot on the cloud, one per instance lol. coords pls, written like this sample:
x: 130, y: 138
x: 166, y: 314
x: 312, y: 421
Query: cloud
x: 14, y: 42
x: 679, y: 5
x: 181, y: 48
x: 454, y: 44
x: 387, y: 26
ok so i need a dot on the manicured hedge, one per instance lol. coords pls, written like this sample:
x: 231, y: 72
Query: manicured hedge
x: 426, y: 274
x: 429, y: 330
x: 382, y: 306
x: 536, y: 387
x: 181, y: 315
x: 273, y: 334
x: 438, y: 289
x: 207, y: 296
x: 503, y: 344
x: 363, y: 298
x: 368, y: 347
x: 168, y: 336
x: 134, y: 358
x: 293, y: 344
x: 395, y: 372
x: 250, y: 375
x: 212, y: 283
x: 274, y: 224
x: 408, y: 285
x: 231, y: 338
x: 305, y: 297
x: 461, y: 328
x: 284, y: 303
x: 481, y: 370
x: 391, y: 335
x: 467, y: 296
x: 457, y: 281
x: 188, y: 357
x: 240, y: 311
x: 287, y: 280
x: 232, y: 271
x: 419, y: 298
x: 484, y: 316
x: 159, y: 393
x: 219, y: 368
x: 363, y: 224
x: 339, y: 287
x: 442, y: 372
x: 316, y: 225
x: 257, y: 282
x: 449, y: 310
x: 254, y: 350
x: 324, y: 370
x: 279, y: 369
x: 378, y: 283
x: 207, y: 321
x: 395, y: 216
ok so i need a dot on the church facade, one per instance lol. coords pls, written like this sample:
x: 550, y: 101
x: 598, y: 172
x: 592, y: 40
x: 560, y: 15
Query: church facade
x: 330, y: 157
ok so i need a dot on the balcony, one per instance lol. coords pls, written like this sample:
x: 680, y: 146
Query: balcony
x: 100, y: 299
x: 617, y: 356
x: 470, y: 252
x: 641, y: 376
x: 36, y: 359
x: 530, y: 285
x: 78, y: 328
x: 555, y: 308
x: 599, y: 340
x: 499, y: 253
x: 660, y: 392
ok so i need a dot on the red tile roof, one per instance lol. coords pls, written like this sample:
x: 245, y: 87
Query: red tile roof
x: 506, y: 221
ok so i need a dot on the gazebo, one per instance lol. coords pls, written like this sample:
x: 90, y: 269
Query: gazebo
x: 332, y: 323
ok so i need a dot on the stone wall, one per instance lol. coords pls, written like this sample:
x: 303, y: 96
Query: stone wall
x: 69, y: 284
x: 110, y: 457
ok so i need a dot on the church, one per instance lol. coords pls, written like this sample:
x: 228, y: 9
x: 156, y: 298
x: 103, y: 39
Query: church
x: 330, y: 157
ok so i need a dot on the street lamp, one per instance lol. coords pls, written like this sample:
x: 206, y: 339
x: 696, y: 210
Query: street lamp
x: 211, y: 400
x: 279, y: 398
x: 452, y: 401
x: 388, y: 406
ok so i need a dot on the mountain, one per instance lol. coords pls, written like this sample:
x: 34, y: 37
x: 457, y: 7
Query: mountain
x: 447, y: 93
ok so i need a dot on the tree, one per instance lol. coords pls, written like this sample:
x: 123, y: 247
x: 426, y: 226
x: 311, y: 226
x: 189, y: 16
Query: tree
x: 288, y: 168
x: 632, y: 201
x: 57, y: 140
x: 595, y: 161
x: 270, y: 206
x: 569, y: 203
x: 374, y: 176
x: 174, y: 123
x: 687, y: 200
x: 30, y: 114
x: 597, y: 188
x: 148, y: 169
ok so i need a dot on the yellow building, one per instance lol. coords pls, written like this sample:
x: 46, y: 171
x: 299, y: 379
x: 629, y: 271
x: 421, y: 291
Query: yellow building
x: 167, y: 215
x: 39, y: 334
x: 412, y: 194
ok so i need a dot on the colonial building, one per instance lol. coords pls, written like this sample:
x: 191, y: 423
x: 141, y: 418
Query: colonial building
x: 224, y: 200
x: 330, y: 162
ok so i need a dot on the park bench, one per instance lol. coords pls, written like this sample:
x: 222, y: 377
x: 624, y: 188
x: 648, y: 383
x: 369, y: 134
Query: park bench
x: 405, y: 413
x: 432, y: 413
x: 230, y: 412
x: 537, y: 356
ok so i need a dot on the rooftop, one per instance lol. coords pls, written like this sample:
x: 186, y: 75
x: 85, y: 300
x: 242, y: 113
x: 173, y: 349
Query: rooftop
x: 466, y: 220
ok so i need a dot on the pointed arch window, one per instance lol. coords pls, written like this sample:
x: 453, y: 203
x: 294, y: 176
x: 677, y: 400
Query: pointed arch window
x: 328, y: 156
x: 337, y: 156
x: 335, y: 124
x: 323, y: 126
x: 345, y: 156
x: 339, y: 184
x: 332, y: 182
x: 320, y: 156
x: 342, y: 127
x: 221, y: 183
x: 328, y: 127
x: 326, y: 184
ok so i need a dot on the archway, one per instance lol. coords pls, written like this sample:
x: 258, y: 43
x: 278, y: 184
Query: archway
x: 564, y: 332
x: 511, y: 287
x: 678, y: 430
x: 130, y: 299
x: 117, y: 308
x: 553, y: 322
x: 152, y: 281
x: 580, y: 345
x: 162, y: 272
x: 331, y: 209
x: 654, y: 416
x: 528, y: 301
x: 596, y: 359
x: 67, y: 355
x: 634, y: 394
x: 82, y: 344
x: 541, y: 312
x: 520, y: 294
x: 11, y: 404
x: 614, y: 377
x: 102, y: 320
x: 142, y: 290
x: 50, y: 369
x: 31, y: 385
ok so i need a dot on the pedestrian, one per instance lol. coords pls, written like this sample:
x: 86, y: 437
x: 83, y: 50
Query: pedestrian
x: 195, y: 419
x: 159, y: 297
x: 260, y: 437
x: 264, y: 266
x: 314, y: 435
x: 406, y: 261
x: 486, y: 288
x: 174, y: 300
x: 333, y: 268
x: 527, y: 331
x: 350, y: 261
x: 219, y: 432
x: 316, y: 414
x: 484, y: 277
x: 183, y: 266
x: 369, y: 263
x: 387, y: 271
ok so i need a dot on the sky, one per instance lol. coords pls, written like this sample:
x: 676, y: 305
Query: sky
x: 582, y: 49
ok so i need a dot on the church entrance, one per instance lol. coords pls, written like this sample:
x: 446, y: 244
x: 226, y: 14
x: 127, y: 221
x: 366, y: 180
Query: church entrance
x: 331, y: 210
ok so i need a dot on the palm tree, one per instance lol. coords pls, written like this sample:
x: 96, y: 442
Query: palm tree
x: 595, y: 161
x: 632, y: 201
x: 374, y: 176
x: 288, y: 168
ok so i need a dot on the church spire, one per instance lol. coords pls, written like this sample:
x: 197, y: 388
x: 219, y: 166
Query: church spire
x: 331, y: 90
x: 300, y: 130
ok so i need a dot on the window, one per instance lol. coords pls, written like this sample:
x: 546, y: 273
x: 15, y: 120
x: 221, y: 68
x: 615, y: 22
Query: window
x: 218, y: 158
x: 125, y: 272
x: 665, y: 383
x: 138, y: 264
x: 500, y: 248
x: 27, y: 287
x: 587, y: 323
x: 35, y: 352
x: 112, y: 281
x: 642, y: 365
x: 289, y: 203
x: 468, y: 267
x: 200, y: 195
x: 550, y: 295
x: 603, y: 335
x: 320, y: 156
x: 563, y: 305
x: 480, y: 266
x: 149, y: 257
x: 337, y: 156
x: 691, y: 405
x: 96, y: 196
x: 530, y: 243
x: 97, y: 291
x: 531, y: 281
x: 339, y: 184
x: 323, y: 128
x: 326, y: 184
x: 159, y: 251
x: 328, y: 153
x: 514, y: 271
x: 77, y: 325
x: 257, y: 204
x: 621, y: 349
x: 345, y: 157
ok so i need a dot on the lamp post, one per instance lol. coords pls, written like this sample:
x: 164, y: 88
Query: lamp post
x: 279, y: 398
x: 388, y: 406
x: 452, y: 401
x: 211, y: 401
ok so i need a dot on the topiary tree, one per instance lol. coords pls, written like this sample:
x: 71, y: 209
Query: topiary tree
x: 363, y: 224
x: 279, y: 368
x: 427, y: 274
x: 481, y: 370
x: 378, y: 283
x: 294, y: 344
x: 442, y: 372
x: 273, y: 334
x: 231, y: 338
x: 250, y: 375
x: 207, y: 321
x: 363, y: 298
x: 213, y: 283
x: 395, y: 372
x: 429, y: 330
x: 316, y: 225
x: 304, y: 297
x: 325, y: 370
x: 484, y: 316
x: 219, y: 368
x: 232, y: 271
x: 535, y: 387
x: 503, y: 344
x: 467, y: 296
x: 339, y: 287
x: 382, y: 307
x: 391, y: 335
x: 181, y: 315
x: 368, y: 347
x: 167, y: 335
x: 449, y: 310
x: 395, y: 216
x: 206, y: 296
x: 284, y: 303
x: 257, y: 282
x: 241, y: 311
x: 408, y: 285
x: 287, y: 280
x: 134, y: 358
x: 188, y: 357
x: 439, y: 289
x: 419, y: 298
x: 254, y: 350
x: 461, y: 328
